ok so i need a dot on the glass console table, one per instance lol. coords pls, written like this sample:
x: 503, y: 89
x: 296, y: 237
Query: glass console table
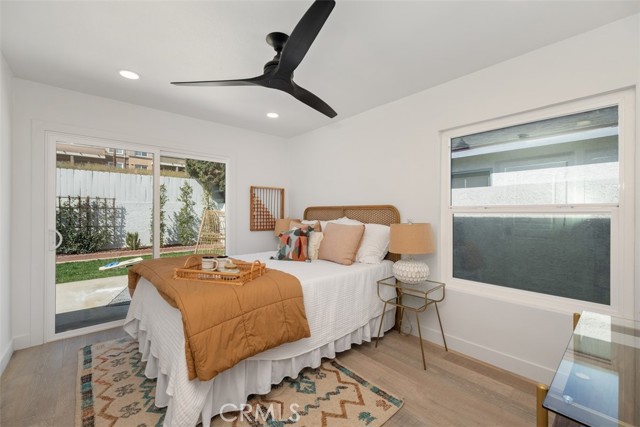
x: 598, y: 380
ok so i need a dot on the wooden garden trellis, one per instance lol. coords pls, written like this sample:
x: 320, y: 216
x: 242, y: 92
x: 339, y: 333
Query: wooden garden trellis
x: 212, y: 233
x: 95, y: 217
x: 94, y: 210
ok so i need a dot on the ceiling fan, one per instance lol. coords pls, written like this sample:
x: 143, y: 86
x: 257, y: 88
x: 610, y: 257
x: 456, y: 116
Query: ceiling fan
x: 290, y: 50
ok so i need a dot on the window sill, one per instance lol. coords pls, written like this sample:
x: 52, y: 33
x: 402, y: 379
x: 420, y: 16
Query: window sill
x: 529, y: 298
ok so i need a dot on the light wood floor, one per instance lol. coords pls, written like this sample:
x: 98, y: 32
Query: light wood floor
x: 38, y: 387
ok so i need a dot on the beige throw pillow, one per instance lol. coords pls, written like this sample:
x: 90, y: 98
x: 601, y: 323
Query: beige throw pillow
x: 340, y: 243
x: 315, y: 239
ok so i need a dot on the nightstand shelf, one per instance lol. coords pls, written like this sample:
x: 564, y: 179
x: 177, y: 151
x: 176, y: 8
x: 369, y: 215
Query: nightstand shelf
x: 417, y: 298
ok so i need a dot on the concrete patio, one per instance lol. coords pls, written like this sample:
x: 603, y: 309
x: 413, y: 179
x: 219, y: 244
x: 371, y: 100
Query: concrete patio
x: 73, y: 296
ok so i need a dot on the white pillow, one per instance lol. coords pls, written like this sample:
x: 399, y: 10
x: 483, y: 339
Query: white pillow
x: 374, y: 245
x: 314, y: 244
x: 312, y: 222
x: 347, y: 221
x: 344, y: 220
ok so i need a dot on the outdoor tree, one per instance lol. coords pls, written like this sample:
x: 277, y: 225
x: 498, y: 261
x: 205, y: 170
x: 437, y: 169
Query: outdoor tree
x: 163, y: 225
x: 210, y: 175
x: 185, y: 219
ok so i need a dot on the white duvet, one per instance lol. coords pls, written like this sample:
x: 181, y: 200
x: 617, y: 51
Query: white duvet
x: 341, y: 304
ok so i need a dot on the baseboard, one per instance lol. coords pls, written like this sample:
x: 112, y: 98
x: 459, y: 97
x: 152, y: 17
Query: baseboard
x: 518, y: 366
x: 23, y: 341
x: 6, y: 356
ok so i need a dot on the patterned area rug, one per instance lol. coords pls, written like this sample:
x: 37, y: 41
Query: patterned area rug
x: 114, y: 392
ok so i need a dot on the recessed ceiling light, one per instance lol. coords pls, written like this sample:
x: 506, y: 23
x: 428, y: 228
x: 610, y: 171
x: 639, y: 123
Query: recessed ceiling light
x: 273, y: 115
x: 129, y: 75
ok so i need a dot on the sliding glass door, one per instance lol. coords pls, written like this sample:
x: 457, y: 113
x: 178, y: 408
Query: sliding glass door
x: 103, y: 216
x: 102, y: 196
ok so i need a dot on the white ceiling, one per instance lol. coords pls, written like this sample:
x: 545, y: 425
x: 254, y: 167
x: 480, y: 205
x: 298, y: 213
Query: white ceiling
x: 368, y: 53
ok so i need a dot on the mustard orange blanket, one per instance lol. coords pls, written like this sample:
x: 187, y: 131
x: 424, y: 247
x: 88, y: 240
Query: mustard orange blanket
x: 224, y: 324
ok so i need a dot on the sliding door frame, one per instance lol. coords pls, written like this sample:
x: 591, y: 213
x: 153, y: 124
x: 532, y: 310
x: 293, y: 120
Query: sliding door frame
x: 51, y: 139
x: 52, y: 134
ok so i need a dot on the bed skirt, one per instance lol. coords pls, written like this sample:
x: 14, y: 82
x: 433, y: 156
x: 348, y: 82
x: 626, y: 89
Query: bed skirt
x: 251, y: 376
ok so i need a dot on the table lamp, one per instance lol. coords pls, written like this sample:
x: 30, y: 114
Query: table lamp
x: 411, y: 239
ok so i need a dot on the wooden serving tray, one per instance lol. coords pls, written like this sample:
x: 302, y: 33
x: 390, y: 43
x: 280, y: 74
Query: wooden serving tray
x: 247, y: 271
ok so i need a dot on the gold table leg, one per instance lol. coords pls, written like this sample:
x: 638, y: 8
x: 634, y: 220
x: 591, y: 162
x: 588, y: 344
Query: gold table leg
x: 441, y: 330
x: 400, y: 320
x: 384, y: 310
x: 424, y: 363
x: 542, y: 415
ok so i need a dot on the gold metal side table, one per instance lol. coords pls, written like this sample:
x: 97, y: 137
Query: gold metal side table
x: 415, y: 297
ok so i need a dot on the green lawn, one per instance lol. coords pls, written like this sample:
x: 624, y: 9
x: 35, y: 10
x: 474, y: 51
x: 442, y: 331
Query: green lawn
x: 75, y: 271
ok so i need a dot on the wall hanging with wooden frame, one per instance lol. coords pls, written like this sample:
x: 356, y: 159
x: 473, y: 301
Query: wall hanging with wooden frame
x: 267, y: 205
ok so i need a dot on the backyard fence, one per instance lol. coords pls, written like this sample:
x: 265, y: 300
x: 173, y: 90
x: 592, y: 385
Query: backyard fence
x: 132, y: 197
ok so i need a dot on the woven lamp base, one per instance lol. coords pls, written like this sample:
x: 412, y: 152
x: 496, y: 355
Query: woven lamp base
x: 410, y: 271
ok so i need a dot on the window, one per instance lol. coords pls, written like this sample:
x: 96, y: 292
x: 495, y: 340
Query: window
x: 120, y: 165
x: 536, y: 205
x: 471, y: 179
x: 140, y: 153
x: 550, y: 162
x: 143, y: 167
x: 558, y: 254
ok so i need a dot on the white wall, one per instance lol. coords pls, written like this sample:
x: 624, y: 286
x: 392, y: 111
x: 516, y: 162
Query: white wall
x: 6, y: 341
x: 253, y: 160
x: 391, y: 154
x: 636, y: 259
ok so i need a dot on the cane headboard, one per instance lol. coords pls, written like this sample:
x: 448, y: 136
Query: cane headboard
x: 372, y: 214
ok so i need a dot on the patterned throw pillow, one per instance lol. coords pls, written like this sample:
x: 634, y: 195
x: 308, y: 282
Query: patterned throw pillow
x: 293, y: 245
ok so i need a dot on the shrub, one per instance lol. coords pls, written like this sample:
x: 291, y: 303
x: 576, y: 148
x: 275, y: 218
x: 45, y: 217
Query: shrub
x: 133, y: 240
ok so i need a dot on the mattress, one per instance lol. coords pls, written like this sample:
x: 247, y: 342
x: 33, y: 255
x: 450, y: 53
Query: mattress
x: 342, y: 307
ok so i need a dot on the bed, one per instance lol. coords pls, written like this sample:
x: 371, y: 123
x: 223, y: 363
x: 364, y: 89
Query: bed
x: 342, y: 307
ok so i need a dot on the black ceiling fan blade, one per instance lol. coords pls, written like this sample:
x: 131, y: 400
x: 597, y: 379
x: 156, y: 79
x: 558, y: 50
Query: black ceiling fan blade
x: 303, y: 36
x: 290, y: 51
x: 303, y: 95
x: 259, y: 80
